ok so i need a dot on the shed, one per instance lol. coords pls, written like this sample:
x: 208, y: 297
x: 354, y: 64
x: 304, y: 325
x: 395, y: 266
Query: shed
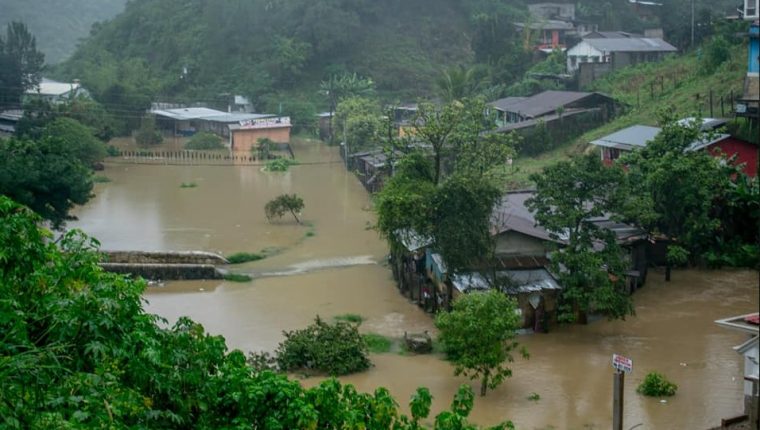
x: 244, y: 135
x: 620, y: 52
x: 550, y: 102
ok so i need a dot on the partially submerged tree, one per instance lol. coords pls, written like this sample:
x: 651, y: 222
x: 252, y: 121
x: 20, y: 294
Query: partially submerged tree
x: 283, y: 204
x: 479, y: 336
x: 568, y: 195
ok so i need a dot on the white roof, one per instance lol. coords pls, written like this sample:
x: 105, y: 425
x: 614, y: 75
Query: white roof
x: 48, y: 87
x: 187, y: 114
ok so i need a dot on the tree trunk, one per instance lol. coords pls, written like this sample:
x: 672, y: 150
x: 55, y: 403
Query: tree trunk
x: 484, y: 384
x: 437, y: 167
x: 295, y: 216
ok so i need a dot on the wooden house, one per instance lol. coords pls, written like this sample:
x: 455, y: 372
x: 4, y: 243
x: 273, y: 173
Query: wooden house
x: 744, y: 154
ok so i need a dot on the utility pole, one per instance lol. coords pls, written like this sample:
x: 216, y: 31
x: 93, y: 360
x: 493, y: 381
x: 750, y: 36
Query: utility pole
x: 618, y: 381
x: 692, y: 24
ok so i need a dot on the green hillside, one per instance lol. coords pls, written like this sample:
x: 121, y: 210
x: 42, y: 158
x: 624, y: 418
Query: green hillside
x: 683, y: 83
x: 58, y: 25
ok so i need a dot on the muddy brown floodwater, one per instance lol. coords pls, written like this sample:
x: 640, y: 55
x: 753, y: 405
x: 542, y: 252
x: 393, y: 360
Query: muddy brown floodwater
x: 334, y: 265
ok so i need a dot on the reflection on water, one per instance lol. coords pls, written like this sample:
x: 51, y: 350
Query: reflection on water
x: 341, y: 270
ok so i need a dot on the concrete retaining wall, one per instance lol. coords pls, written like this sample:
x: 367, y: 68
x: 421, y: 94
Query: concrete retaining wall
x: 165, y: 271
x: 163, y: 257
x: 160, y: 265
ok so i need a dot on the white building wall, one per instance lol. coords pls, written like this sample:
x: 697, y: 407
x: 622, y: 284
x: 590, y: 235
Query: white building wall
x: 750, y: 367
x: 584, y: 53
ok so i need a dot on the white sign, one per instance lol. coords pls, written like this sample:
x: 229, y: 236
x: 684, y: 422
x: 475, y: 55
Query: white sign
x: 283, y: 121
x: 624, y: 364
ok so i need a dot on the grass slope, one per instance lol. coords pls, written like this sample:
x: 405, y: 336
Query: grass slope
x: 675, y: 82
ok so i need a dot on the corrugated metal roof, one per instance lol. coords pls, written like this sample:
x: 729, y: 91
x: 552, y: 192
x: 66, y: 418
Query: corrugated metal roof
x: 49, y: 87
x: 511, y: 214
x: 546, y: 102
x: 206, y: 114
x: 503, y: 104
x: 631, y: 44
x: 635, y: 136
x: 520, y: 281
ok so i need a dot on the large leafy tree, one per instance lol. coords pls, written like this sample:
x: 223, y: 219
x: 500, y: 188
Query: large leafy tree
x: 479, y: 336
x: 20, y: 64
x: 359, y: 122
x: 77, y: 350
x: 44, y: 175
x: 675, y: 189
x: 568, y: 195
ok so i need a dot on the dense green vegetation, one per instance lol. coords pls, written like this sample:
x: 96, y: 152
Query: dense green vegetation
x: 656, y: 385
x: 20, y: 64
x: 478, y: 335
x: 77, y: 350
x: 244, y: 257
x: 201, y: 50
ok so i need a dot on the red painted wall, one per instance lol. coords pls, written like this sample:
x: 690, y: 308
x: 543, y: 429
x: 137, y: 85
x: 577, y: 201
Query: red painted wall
x: 746, y: 153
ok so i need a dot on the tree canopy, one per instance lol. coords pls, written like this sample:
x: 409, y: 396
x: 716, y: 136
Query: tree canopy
x: 20, y: 64
x: 78, y: 350
x: 283, y: 204
x: 52, y: 173
x: 589, y: 265
x: 478, y: 335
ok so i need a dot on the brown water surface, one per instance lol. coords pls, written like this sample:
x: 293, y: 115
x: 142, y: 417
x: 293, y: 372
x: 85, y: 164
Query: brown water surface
x: 340, y: 269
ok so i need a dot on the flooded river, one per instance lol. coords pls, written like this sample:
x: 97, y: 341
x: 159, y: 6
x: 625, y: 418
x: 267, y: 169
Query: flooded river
x: 333, y: 264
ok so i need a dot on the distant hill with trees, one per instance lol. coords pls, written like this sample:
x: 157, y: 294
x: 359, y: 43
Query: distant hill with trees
x: 278, y: 52
x: 58, y: 25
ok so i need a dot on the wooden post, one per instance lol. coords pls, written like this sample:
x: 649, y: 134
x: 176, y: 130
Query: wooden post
x: 618, y: 381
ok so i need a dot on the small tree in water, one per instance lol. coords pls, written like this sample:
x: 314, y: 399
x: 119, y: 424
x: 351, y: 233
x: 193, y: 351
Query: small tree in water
x: 478, y: 336
x: 282, y: 204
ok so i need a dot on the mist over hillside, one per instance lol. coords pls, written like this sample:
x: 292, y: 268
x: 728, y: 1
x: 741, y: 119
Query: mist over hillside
x: 58, y: 24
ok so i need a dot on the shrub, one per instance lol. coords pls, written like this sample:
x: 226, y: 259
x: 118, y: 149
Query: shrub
x: 188, y: 185
x: 352, y: 318
x: 147, y: 134
x: 237, y: 277
x: 334, y: 349
x: 243, y: 257
x: 280, y: 165
x: 656, y: 385
x: 534, y: 397
x: 376, y: 343
x: 112, y: 151
x: 204, y: 140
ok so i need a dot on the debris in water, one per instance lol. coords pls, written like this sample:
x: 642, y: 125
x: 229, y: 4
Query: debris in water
x: 663, y: 401
x: 201, y: 289
x: 683, y: 364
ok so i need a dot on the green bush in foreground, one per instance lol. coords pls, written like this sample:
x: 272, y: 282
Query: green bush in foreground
x: 656, y: 385
x: 333, y: 349
x: 78, y: 350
